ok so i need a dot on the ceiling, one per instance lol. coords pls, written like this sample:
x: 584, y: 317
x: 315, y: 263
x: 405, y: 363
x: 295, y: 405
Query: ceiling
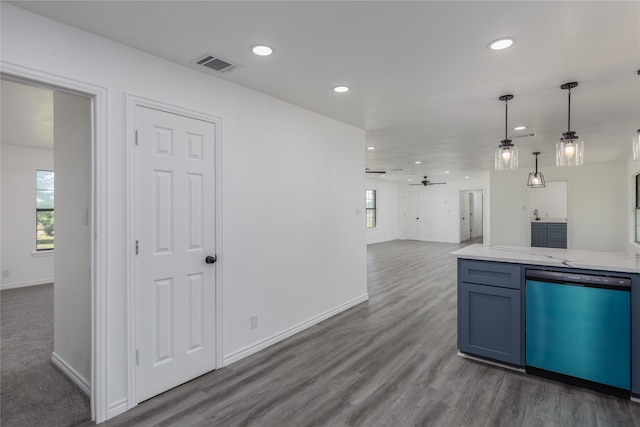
x: 424, y: 85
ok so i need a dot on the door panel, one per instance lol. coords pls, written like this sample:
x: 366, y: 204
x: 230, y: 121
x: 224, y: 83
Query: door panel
x: 412, y: 216
x: 174, y: 229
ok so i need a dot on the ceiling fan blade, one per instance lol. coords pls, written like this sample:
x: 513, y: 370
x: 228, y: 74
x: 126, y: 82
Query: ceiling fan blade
x: 416, y: 184
x: 375, y: 171
x: 432, y: 183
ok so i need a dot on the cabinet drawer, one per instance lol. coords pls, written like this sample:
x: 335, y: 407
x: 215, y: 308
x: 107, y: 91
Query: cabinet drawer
x: 500, y: 274
x: 557, y: 227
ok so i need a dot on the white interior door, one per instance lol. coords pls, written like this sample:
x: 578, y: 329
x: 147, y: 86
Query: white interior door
x: 174, y: 232
x: 464, y: 216
x: 412, y: 216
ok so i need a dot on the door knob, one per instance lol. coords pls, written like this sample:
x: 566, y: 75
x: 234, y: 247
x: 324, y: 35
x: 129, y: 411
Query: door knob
x: 211, y: 259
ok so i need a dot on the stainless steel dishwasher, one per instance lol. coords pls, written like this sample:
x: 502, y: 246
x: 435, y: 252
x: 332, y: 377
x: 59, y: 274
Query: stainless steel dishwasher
x: 578, y: 329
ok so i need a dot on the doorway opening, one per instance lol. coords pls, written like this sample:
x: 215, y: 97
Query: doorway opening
x: 50, y: 126
x: 471, y: 216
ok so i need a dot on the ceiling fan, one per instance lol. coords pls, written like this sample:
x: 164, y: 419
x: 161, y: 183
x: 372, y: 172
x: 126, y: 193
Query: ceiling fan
x: 368, y: 170
x: 426, y: 182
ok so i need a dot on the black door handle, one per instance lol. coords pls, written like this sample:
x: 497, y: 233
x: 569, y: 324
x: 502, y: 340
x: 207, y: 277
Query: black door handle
x: 211, y: 259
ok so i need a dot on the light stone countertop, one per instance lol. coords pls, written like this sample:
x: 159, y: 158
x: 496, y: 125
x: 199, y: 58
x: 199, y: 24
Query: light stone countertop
x: 575, y: 258
x: 550, y: 220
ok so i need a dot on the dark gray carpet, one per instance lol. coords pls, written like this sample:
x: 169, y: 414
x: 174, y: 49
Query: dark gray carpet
x: 33, y: 392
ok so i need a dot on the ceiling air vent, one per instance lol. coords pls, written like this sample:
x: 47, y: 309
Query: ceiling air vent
x: 215, y: 63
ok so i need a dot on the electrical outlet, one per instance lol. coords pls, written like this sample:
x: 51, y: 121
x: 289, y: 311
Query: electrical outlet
x: 254, y: 321
x: 5, y: 274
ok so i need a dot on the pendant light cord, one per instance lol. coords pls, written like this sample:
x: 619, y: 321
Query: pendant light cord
x: 569, y: 113
x: 505, y: 119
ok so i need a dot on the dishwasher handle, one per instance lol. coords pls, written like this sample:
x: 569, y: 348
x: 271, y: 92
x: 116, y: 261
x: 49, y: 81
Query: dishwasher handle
x: 580, y: 279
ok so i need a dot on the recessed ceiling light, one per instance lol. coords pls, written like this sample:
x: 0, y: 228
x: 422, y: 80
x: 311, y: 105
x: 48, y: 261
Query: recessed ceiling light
x: 409, y: 180
x: 382, y: 176
x: 341, y: 89
x: 371, y: 148
x: 418, y: 162
x: 502, y: 43
x: 261, y: 50
x: 466, y: 177
x: 519, y: 128
x: 447, y: 171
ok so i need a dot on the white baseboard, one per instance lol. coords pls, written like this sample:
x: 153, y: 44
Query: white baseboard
x: 267, y: 342
x: 117, y: 408
x: 71, y: 374
x: 25, y: 284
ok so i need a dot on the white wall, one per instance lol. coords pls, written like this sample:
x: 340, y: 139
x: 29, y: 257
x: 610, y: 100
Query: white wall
x: 386, y: 211
x: 18, y: 175
x: 293, y: 249
x: 597, y: 197
x: 550, y: 201
x: 440, y: 207
x: 72, y: 295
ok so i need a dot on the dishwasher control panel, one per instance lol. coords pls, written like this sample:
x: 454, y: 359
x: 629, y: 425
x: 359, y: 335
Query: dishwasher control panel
x: 579, y: 279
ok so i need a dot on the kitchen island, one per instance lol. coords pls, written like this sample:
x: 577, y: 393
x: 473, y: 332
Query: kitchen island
x: 503, y: 315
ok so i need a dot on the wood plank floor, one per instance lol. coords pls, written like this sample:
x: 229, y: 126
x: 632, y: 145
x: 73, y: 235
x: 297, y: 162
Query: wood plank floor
x: 388, y: 362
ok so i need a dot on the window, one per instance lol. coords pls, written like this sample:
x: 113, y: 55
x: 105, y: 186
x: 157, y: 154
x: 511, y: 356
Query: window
x: 44, y: 210
x: 370, y: 205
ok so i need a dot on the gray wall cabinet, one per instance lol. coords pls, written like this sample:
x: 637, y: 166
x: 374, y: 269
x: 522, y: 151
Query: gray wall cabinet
x: 489, y: 310
x: 549, y: 235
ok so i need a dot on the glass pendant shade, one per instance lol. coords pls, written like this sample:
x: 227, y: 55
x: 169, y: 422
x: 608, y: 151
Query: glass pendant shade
x: 506, y: 157
x: 636, y: 146
x: 569, y: 152
x: 536, y: 180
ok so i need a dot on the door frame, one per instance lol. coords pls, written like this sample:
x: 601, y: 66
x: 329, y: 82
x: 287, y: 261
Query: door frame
x: 98, y: 216
x: 131, y: 102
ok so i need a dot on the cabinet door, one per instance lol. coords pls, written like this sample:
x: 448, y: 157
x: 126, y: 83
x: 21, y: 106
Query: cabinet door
x: 538, y: 235
x: 490, y: 323
x: 557, y: 235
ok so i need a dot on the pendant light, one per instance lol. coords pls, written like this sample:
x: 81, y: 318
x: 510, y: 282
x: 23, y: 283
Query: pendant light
x: 536, y: 179
x: 636, y: 142
x: 507, y: 153
x: 570, y: 150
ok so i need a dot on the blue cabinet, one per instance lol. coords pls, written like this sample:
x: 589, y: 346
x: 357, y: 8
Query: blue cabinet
x: 549, y: 235
x: 489, y: 310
